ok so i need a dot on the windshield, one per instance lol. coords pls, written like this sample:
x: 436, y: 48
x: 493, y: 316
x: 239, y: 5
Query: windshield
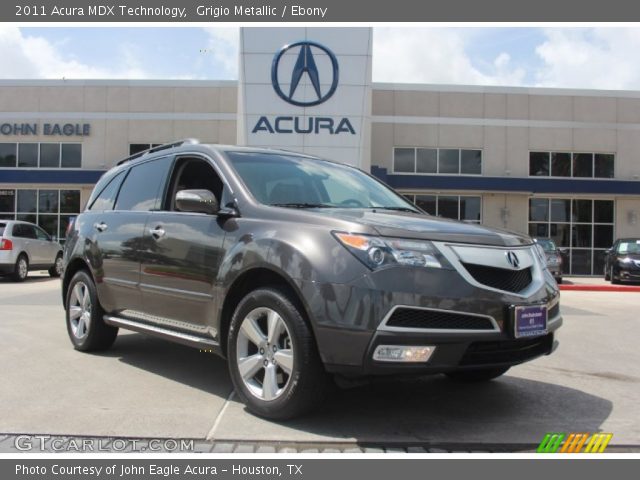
x: 546, y: 244
x: 295, y: 181
x: 629, y: 247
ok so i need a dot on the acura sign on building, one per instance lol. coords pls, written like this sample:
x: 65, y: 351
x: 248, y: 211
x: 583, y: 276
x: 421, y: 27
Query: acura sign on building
x: 308, y: 90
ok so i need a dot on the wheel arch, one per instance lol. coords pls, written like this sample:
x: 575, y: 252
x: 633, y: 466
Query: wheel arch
x: 70, y: 270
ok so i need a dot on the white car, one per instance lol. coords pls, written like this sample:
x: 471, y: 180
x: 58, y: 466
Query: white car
x: 25, y: 246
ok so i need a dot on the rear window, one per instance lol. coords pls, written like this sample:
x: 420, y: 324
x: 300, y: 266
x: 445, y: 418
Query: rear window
x: 2, y: 226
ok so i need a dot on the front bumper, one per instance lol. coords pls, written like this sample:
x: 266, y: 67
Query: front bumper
x: 350, y: 320
x: 627, y: 272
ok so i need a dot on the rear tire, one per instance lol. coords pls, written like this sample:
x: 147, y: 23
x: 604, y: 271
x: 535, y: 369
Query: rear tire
x: 85, y: 325
x: 559, y: 280
x: 480, y: 375
x: 56, y: 269
x: 270, y: 342
x: 21, y: 269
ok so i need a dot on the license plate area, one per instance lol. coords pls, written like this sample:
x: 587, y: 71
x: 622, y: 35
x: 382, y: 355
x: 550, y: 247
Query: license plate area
x: 529, y: 321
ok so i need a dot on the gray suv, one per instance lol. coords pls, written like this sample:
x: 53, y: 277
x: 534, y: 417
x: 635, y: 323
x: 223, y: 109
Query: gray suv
x: 25, y: 246
x: 295, y: 269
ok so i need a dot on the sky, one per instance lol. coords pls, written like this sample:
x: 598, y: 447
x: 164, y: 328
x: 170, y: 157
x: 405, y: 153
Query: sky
x: 599, y: 57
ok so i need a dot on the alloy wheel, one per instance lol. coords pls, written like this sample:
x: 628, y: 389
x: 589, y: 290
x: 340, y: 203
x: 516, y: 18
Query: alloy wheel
x: 80, y: 310
x: 264, y: 353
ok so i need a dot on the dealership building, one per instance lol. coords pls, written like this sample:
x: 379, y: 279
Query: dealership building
x: 552, y: 163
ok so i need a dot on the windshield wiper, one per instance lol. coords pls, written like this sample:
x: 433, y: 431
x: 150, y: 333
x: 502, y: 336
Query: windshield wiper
x: 301, y: 205
x: 396, y: 209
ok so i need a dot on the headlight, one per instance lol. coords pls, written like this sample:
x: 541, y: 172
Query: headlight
x: 625, y: 260
x: 376, y: 252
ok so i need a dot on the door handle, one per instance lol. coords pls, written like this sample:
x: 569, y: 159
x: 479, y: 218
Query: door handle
x: 157, y: 232
x: 101, y: 227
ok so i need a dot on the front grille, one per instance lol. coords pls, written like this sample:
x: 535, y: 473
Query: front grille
x: 508, y: 351
x: 500, y: 278
x: 434, y: 319
x: 554, y: 311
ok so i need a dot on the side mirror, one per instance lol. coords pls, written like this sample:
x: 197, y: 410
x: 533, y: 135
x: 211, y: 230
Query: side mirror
x: 197, y: 201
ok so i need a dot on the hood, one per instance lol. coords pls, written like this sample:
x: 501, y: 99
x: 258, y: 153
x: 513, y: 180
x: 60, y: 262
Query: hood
x: 632, y: 256
x: 421, y: 226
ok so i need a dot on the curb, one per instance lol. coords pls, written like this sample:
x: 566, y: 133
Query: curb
x: 600, y: 288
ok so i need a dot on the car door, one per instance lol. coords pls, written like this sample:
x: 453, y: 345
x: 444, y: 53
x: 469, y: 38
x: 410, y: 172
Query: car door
x: 47, y: 248
x: 116, y: 220
x: 32, y: 245
x: 183, y: 253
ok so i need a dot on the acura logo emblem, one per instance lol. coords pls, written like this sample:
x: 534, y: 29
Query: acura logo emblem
x: 287, y: 83
x: 513, y: 260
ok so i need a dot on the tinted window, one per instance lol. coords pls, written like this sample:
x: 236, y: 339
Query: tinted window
x: 560, y: 164
x: 471, y: 161
x: 22, y: 230
x: 27, y: 201
x: 107, y: 197
x: 49, y: 155
x: 2, y: 225
x: 427, y: 160
x: 604, y: 165
x: 69, y: 201
x: 143, y: 188
x: 7, y: 154
x: 539, y: 164
x: 28, y: 155
x: 449, y: 161
x: 404, y: 160
x: 71, y: 155
x: 48, y: 201
x: 41, y: 234
x: 582, y: 165
x: 7, y: 200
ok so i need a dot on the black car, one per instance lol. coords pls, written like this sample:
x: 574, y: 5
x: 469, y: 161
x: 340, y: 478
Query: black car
x: 553, y: 256
x: 293, y: 268
x: 622, y: 261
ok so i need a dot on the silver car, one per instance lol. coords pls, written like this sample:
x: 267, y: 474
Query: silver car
x: 25, y: 246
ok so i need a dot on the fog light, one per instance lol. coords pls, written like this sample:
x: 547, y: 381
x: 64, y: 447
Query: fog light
x: 403, y: 353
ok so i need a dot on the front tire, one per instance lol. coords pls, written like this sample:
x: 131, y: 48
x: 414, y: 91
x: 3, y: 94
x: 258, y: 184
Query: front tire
x: 614, y: 280
x: 21, y: 269
x: 273, y: 358
x: 480, y: 375
x: 56, y: 269
x: 85, y: 325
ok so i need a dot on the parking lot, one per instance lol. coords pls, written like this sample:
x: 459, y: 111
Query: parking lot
x: 148, y: 388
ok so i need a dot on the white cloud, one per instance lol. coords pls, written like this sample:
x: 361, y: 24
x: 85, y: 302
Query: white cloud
x: 25, y: 56
x: 603, y: 58
x: 223, y: 47
x: 435, y: 55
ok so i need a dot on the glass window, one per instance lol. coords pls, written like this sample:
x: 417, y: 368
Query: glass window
x: 602, y: 236
x: 581, y: 235
x: 7, y: 201
x: 448, y: 207
x: 427, y: 203
x: 560, y: 234
x: 48, y: 201
x: 470, y: 208
x: 560, y: 164
x: 598, y: 262
x: 560, y: 210
x: 28, y: 231
x: 404, y: 160
x: 141, y: 189
x: 71, y: 155
x: 603, y: 211
x: 582, y: 211
x: 41, y: 235
x: 583, y: 165
x: 449, y: 161
x: 27, y: 218
x: 69, y: 201
x: 49, y: 223
x: 603, y: 165
x: 539, y: 164
x: 49, y: 155
x: 28, y: 155
x: 580, y: 262
x: 2, y: 227
x: 27, y: 201
x: 427, y: 160
x: 471, y: 162
x: 7, y: 155
x: 540, y: 230
x: 539, y: 209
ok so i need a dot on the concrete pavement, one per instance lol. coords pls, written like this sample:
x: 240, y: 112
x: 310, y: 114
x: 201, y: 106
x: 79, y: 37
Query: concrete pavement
x: 145, y: 387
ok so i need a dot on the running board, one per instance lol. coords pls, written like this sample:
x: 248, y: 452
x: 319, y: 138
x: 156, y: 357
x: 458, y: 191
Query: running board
x: 172, y: 335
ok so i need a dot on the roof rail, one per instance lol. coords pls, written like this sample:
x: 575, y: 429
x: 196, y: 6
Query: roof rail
x: 165, y: 146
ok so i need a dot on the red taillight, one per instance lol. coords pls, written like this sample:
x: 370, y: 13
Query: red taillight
x: 6, y: 244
